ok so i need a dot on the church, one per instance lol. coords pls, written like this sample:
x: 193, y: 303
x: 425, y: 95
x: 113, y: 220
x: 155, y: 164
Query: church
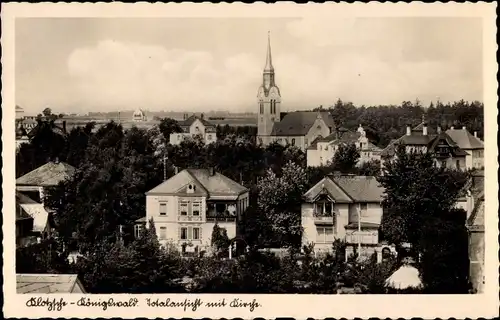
x: 299, y: 128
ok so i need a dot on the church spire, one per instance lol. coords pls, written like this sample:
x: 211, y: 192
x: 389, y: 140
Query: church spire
x: 269, y: 61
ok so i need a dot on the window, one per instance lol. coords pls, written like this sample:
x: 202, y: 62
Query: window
x: 443, y: 164
x: 293, y: 141
x: 363, y: 209
x: 261, y: 108
x: 326, y: 148
x: 197, y: 129
x: 163, y: 209
x: 196, y: 233
x: 325, y: 234
x: 209, y: 137
x: 184, y: 208
x: 458, y: 164
x: 321, y: 160
x: 184, y: 233
x: 196, y: 209
x: 137, y: 230
x: 324, y: 208
x: 163, y: 233
x: 320, y: 147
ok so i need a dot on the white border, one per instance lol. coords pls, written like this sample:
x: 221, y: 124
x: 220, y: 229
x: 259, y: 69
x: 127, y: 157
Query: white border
x: 297, y: 306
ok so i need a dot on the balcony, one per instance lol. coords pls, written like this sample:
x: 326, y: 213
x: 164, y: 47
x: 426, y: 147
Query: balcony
x: 189, y: 218
x: 323, y: 219
x: 224, y: 216
x: 364, y: 236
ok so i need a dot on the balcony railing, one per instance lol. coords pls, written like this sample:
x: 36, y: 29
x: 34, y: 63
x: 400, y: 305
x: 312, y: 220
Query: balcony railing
x: 223, y: 216
x: 323, y: 218
x: 188, y: 218
x: 365, y: 237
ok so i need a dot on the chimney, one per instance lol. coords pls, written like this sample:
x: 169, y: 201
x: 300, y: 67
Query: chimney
x: 464, y: 128
x: 64, y: 126
x: 211, y: 171
x: 408, y: 131
x: 424, y: 129
x: 439, y: 129
x: 475, y: 134
x: 202, y: 116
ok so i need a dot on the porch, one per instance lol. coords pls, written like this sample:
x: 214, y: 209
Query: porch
x: 223, y: 211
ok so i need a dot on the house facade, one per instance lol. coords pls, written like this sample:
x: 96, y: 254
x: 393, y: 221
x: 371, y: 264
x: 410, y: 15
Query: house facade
x: 298, y: 128
x: 195, y: 126
x: 186, y: 207
x: 470, y: 144
x: 322, y: 150
x: 344, y: 207
x: 419, y: 139
x: 139, y: 115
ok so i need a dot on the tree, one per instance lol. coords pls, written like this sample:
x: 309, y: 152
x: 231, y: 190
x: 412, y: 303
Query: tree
x: 345, y: 158
x: 419, y: 209
x: 168, y: 126
x: 370, y: 168
x: 416, y: 191
x: 220, y: 241
x: 280, y: 199
x: 47, y: 112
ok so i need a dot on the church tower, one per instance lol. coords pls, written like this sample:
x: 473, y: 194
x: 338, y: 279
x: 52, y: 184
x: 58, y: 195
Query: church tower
x: 268, y: 99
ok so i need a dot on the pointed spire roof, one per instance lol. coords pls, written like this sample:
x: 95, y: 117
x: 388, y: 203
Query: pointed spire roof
x: 269, y: 59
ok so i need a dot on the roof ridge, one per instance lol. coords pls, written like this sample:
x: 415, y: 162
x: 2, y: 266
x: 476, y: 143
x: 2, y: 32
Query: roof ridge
x: 342, y: 189
x: 193, y: 176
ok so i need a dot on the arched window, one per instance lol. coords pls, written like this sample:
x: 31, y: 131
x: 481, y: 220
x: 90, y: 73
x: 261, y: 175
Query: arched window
x: 261, y: 107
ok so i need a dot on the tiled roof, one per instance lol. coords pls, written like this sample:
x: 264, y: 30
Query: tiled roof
x: 327, y: 186
x: 298, y: 123
x: 361, y: 188
x: 48, y: 283
x: 189, y: 121
x: 347, y: 188
x: 216, y: 185
x: 50, y: 174
x: 464, y: 139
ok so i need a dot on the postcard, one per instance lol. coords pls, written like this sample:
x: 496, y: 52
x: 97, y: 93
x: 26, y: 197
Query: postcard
x: 250, y: 160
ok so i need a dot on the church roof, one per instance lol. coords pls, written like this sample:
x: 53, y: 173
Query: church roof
x: 298, y: 123
x: 269, y: 60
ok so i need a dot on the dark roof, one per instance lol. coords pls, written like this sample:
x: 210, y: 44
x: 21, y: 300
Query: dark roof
x: 464, y: 139
x: 361, y: 188
x: 189, y: 121
x: 50, y: 174
x: 347, y: 189
x: 298, y: 123
x: 429, y: 140
x: 216, y: 185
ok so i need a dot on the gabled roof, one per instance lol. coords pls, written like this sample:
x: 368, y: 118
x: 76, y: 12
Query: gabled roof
x: 50, y: 174
x: 298, y: 123
x: 361, y: 188
x: 189, y: 121
x: 48, y: 283
x: 329, y: 187
x: 347, y: 189
x: 464, y: 139
x: 212, y: 186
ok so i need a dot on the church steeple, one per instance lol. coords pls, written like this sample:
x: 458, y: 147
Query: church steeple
x: 269, y: 60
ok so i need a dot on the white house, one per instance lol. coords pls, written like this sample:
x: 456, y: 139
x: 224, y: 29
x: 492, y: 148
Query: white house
x: 470, y: 144
x: 322, y: 150
x: 139, y: 115
x: 186, y: 207
x: 345, y: 207
x: 195, y: 126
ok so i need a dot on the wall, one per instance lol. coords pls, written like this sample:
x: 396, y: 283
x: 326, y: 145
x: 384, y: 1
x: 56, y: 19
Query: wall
x: 477, y: 158
x: 310, y: 233
x: 314, y: 132
x: 374, y: 213
x: 476, y: 257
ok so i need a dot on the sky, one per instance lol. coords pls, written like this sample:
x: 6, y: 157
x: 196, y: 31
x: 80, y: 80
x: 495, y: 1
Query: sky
x: 194, y: 64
